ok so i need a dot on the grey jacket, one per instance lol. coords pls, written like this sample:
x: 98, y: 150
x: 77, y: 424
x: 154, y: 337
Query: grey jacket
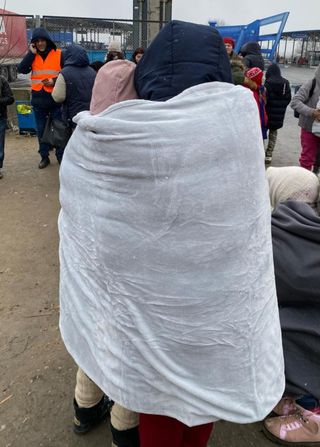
x: 296, y: 253
x: 305, y: 106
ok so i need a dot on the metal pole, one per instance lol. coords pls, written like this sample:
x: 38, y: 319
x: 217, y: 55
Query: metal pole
x: 38, y: 22
x: 306, y: 49
x: 302, y: 48
x: 161, y: 14
x: 144, y: 25
x: 168, y: 12
x: 294, y: 43
x: 136, y: 25
x: 285, y: 49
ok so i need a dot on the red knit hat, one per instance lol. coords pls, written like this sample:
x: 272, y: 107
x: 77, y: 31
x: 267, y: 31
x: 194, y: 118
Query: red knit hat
x: 229, y: 40
x: 255, y: 73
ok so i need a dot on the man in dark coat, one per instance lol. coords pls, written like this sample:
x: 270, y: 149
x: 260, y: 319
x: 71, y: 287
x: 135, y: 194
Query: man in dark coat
x: 252, y: 57
x: 6, y: 98
x: 74, y: 84
x: 278, y: 97
x: 167, y: 69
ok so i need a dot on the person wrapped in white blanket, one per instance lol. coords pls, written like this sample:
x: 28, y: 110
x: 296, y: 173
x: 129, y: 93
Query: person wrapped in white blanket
x: 167, y: 288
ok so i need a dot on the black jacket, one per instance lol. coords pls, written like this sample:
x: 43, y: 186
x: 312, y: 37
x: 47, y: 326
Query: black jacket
x: 6, y: 97
x: 252, y: 57
x: 278, y: 97
x: 79, y: 79
x: 182, y: 55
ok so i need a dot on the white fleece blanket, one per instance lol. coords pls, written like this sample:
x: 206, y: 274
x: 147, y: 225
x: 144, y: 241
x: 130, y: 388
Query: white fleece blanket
x: 167, y: 288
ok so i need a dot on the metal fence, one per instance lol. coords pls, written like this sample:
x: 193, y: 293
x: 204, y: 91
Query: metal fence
x: 95, y: 34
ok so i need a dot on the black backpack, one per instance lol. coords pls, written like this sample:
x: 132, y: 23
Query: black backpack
x: 295, y: 113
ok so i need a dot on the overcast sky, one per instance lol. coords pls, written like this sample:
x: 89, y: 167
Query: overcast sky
x: 304, y: 14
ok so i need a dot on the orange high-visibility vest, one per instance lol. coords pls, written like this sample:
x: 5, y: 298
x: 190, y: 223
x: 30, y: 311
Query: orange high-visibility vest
x: 42, y: 69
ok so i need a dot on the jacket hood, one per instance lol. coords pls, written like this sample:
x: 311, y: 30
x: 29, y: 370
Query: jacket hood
x: 182, y: 55
x: 297, y: 218
x: 41, y: 33
x: 237, y: 63
x: 273, y: 71
x: 250, y: 48
x: 114, y: 83
x: 74, y: 55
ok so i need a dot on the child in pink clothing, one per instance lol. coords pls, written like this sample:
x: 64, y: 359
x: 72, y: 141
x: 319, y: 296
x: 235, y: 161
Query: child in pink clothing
x: 256, y: 75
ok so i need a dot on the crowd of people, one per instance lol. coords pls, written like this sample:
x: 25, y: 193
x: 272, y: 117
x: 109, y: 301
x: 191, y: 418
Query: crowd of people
x: 61, y: 83
x: 187, y: 295
x: 272, y: 98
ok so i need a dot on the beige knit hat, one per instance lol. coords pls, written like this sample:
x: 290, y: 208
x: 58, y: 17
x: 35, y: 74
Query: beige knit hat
x: 292, y: 183
x: 114, y: 46
x: 114, y: 83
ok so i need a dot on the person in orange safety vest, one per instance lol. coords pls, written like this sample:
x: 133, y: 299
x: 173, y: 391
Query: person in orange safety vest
x: 43, y: 60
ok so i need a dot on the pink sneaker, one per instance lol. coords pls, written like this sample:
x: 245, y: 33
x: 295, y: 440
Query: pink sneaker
x: 296, y: 429
x: 286, y: 406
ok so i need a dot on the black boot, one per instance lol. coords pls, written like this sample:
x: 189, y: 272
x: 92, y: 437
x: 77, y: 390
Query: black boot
x: 45, y: 161
x: 87, y: 418
x: 268, y: 158
x: 125, y: 438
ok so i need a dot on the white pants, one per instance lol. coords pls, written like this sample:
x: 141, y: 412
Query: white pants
x: 88, y: 394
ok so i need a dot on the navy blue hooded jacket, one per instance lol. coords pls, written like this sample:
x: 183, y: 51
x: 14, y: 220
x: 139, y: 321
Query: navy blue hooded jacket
x: 79, y: 79
x: 182, y: 55
x: 25, y: 65
x: 41, y: 98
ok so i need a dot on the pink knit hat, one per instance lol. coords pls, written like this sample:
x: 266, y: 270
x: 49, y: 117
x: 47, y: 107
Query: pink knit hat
x: 114, y: 83
x: 253, y: 72
x: 256, y: 74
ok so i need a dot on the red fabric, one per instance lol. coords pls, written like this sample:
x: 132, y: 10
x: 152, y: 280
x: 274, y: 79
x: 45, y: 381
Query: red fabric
x: 229, y: 40
x: 260, y: 97
x: 13, y: 35
x: 310, y: 144
x: 163, y: 431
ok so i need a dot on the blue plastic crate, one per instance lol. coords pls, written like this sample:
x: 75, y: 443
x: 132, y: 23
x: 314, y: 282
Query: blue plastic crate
x: 97, y: 55
x: 100, y: 55
x: 26, y: 118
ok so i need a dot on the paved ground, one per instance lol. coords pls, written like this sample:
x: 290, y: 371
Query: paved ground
x: 36, y: 373
x: 297, y: 75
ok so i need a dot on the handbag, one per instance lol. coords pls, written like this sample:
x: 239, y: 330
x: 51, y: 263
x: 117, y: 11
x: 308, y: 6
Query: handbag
x: 316, y: 128
x: 56, y: 133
